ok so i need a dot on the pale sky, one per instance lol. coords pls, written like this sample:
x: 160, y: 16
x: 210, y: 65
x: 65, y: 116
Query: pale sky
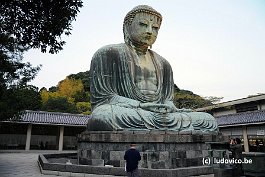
x: 215, y: 47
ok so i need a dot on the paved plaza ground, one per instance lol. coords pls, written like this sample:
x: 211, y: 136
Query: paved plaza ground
x: 20, y: 164
x: 24, y: 164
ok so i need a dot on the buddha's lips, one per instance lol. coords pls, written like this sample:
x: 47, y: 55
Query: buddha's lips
x: 148, y: 37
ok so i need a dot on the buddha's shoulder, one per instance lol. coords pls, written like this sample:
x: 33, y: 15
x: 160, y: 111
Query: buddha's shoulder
x: 162, y: 59
x: 111, y: 48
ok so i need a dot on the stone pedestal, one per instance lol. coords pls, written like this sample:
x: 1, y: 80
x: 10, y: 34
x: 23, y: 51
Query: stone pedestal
x: 158, y: 149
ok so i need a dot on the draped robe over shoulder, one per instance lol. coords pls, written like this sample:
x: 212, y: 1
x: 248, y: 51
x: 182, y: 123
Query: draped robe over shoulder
x: 115, y: 98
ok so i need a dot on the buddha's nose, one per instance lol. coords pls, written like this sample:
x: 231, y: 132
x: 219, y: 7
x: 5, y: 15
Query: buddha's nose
x: 149, y: 33
x: 149, y: 30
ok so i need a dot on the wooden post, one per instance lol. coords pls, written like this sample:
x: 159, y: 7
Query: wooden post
x: 245, y: 137
x: 61, y: 138
x: 28, y: 137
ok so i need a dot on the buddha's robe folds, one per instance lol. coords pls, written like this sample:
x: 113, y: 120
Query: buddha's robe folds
x: 115, y: 98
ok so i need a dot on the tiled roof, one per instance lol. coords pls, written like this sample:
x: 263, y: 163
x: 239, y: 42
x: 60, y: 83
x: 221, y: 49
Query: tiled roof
x: 43, y: 117
x: 234, y: 102
x: 241, y: 118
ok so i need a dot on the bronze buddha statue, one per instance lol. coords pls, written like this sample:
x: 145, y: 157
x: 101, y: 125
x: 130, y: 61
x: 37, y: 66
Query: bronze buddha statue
x: 132, y: 87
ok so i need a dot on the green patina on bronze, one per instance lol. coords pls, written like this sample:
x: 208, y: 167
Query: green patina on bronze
x: 132, y: 86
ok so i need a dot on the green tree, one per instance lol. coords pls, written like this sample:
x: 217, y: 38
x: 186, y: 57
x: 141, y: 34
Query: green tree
x: 59, y: 104
x: 44, y: 95
x: 71, y: 90
x: 30, y: 24
x: 187, y: 99
x: 12, y: 70
x: 19, y: 98
x: 85, y: 78
x: 83, y: 107
x: 14, y: 75
x: 38, y: 23
x: 53, y: 89
x: 82, y: 97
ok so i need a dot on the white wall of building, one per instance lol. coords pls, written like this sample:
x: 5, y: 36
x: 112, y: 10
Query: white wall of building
x: 255, y: 130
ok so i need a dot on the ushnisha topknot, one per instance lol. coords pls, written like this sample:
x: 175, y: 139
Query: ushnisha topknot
x: 140, y: 8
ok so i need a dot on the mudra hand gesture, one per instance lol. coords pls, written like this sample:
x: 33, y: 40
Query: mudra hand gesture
x: 162, y: 108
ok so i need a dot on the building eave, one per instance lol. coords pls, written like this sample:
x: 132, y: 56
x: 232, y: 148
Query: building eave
x: 233, y: 102
x: 40, y: 123
x: 238, y: 125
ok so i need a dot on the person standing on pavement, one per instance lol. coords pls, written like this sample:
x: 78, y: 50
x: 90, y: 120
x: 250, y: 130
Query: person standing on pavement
x: 237, y: 149
x: 132, y: 157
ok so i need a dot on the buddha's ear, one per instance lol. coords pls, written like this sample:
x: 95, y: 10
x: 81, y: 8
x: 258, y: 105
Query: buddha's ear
x: 126, y: 34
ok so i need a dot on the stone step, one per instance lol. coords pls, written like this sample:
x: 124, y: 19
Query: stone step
x: 211, y: 175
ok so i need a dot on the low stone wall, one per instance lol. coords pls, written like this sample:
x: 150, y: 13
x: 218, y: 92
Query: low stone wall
x: 158, y: 149
x: 257, y: 165
x: 62, y: 169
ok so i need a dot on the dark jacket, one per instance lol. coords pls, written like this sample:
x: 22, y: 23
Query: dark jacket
x: 236, y: 150
x: 132, y: 157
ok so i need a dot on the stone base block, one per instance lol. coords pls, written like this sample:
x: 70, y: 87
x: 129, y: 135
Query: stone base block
x: 158, y: 149
x: 223, y: 172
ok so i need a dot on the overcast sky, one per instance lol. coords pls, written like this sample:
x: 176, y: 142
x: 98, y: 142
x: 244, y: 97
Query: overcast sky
x: 215, y: 47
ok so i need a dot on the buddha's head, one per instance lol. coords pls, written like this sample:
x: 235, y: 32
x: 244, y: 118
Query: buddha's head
x: 141, y: 25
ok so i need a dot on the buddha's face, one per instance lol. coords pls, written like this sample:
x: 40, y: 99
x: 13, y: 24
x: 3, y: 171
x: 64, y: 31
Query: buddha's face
x: 144, y: 28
